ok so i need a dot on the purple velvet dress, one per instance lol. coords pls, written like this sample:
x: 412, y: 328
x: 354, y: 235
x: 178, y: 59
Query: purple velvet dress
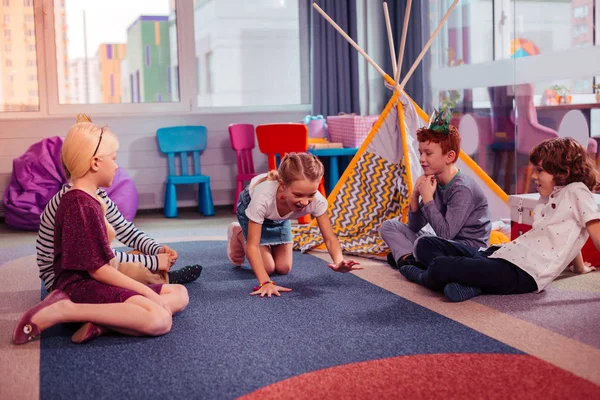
x: 81, y: 245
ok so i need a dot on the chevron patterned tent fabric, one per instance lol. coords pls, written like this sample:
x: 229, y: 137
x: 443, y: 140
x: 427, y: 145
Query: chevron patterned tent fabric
x: 378, y: 183
x: 376, y: 186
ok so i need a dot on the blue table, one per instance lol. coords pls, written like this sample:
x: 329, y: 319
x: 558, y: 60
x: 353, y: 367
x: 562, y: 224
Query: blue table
x: 334, y: 168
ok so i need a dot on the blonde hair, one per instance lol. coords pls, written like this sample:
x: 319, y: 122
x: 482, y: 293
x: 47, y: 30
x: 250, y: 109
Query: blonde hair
x: 296, y: 167
x: 79, y: 146
x: 83, y: 139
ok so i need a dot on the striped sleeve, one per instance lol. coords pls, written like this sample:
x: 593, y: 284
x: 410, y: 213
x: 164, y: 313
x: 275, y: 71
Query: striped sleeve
x: 130, y: 236
x: 44, y: 244
x: 150, y: 262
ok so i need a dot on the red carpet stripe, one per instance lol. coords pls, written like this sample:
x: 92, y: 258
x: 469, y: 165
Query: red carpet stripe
x: 441, y: 376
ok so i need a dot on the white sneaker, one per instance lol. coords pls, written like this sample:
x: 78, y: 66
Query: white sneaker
x: 235, y: 248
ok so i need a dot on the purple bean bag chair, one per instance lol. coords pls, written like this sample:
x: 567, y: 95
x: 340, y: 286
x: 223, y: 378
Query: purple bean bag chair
x: 38, y: 175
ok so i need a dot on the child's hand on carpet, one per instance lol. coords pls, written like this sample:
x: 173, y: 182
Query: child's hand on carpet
x: 165, y: 262
x: 167, y: 250
x: 270, y: 289
x: 345, y: 266
x: 587, y: 267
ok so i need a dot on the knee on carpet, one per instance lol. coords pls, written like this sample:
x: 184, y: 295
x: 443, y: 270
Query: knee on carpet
x: 159, y: 322
x: 181, y: 297
x: 269, y: 267
x: 284, y: 268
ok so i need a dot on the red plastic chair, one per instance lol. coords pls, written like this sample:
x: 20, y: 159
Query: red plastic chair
x: 280, y: 139
x: 242, y: 141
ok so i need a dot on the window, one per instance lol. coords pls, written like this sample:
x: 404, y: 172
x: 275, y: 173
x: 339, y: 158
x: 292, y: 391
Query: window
x: 579, y: 30
x: 580, y: 12
x: 553, y: 25
x: 260, y: 64
x: 209, y: 67
x: 467, y: 39
x: 132, y: 57
x: 139, y: 43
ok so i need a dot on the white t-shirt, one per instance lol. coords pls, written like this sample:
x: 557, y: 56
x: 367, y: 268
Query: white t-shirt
x: 558, y: 233
x: 263, y: 203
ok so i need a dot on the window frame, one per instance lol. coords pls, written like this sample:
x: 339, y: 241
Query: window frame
x: 184, y: 19
x: 502, y: 71
x: 48, y: 94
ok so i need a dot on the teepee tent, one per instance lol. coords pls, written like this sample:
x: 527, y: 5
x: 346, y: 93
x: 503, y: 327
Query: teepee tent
x: 378, y: 183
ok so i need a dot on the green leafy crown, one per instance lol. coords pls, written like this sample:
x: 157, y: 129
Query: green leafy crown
x: 440, y: 121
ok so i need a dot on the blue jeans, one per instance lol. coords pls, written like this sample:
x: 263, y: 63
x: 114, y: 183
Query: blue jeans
x: 273, y: 232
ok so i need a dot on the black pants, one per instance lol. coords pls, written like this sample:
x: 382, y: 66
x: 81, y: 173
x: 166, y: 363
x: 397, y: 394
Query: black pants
x: 450, y: 262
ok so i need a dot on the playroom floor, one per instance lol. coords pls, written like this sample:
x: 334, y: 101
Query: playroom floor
x: 558, y: 327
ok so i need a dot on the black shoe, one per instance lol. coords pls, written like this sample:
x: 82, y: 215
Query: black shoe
x: 391, y: 261
x: 185, y: 275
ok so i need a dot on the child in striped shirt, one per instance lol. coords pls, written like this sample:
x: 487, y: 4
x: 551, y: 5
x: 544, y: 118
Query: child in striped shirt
x: 148, y: 263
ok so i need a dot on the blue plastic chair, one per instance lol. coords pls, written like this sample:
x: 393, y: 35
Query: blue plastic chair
x: 183, y: 140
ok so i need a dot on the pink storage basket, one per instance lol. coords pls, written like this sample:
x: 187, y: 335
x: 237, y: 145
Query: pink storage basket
x: 349, y: 129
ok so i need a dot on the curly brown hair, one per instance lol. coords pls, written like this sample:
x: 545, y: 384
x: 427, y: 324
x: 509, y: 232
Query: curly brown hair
x: 567, y: 161
x: 448, y: 142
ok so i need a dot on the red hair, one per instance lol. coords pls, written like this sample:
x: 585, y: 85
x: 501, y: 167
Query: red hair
x: 448, y: 142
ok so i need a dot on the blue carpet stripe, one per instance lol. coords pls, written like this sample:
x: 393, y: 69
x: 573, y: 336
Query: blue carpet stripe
x: 227, y: 343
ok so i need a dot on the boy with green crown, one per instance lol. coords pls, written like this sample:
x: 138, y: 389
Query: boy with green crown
x: 449, y: 201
